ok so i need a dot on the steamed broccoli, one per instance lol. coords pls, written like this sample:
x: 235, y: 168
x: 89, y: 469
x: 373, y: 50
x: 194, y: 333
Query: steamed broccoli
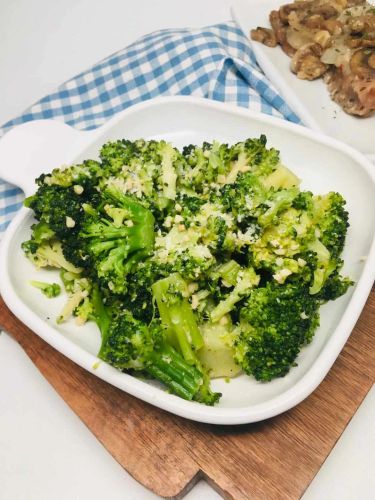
x: 47, y: 254
x: 79, y: 303
x: 244, y: 196
x: 182, y: 251
x: 82, y: 177
x: 145, y: 169
x: 276, y: 321
x: 212, y: 255
x: 246, y: 280
x: 275, y: 203
x: 178, y: 318
x: 50, y: 290
x: 131, y: 345
x: 138, y: 297
x: 117, y: 238
x: 252, y: 155
x: 176, y: 314
x: 58, y: 207
x: 204, y: 164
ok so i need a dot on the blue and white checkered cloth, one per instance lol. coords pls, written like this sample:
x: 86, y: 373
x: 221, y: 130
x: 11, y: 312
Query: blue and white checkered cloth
x: 215, y: 62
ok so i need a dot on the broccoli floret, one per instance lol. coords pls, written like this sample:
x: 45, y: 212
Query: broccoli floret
x: 277, y: 202
x: 327, y: 220
x: 243, y: 197
x: 192, y: 263
x: 182, y: 251
x: 203, y: 165
x: 48, y: 254
x: 117, y: 154
x: 50, y: 290
x: 280, y: 244
x: 119, y: 238
x: 82, y: 177
x: 58, y: 207
x: 334, y: 287
x: 276, y: 321
x: 253, y: 155
x: 42, y: 232
x: 218, y: 156
x: 146, y: 169
x: 246, y: 280
x: 333, y: 221
x: 291, y: 246
x: 132, y: 345
x: 252, y: 171
x: 79, y: 291
x: 193, y: 244
x: 304, y: 201
x: 138, y: 297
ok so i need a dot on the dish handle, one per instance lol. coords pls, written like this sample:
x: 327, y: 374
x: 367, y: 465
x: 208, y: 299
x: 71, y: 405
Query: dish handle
x: 38, y: 146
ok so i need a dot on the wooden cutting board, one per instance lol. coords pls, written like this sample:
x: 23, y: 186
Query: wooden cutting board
x: 275, y: 459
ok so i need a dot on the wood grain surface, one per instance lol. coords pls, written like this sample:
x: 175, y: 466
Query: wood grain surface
x: 274, y: 459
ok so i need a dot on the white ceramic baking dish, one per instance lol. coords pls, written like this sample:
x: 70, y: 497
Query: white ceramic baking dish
x: 324, y: 165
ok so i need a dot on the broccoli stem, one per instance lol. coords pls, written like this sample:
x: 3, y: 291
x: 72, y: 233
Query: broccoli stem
x: 187, y: 381
x: 324, y: 268
x: 177, y: 314
x: 281, y: 177
x: 171, y: 369
x: 281, y: 200
x: 168, y: 173
x: 141, y: 216
x: 228, y: 272
x: 245, y: 283
x: 101, y: 316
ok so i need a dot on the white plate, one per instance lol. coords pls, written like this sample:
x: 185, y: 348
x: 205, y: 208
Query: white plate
x: 309, y: 100
x: 322, y: 163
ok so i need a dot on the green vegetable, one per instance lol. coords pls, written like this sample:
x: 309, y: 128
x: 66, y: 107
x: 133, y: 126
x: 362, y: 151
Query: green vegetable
x: 50, y: 290
x: 246, y: 280
x: 217, y: 354
x: 177, y: 315
x: 117, y: 237
x: 193, y: 264
x: 276, y: 321
x: 132, y: 345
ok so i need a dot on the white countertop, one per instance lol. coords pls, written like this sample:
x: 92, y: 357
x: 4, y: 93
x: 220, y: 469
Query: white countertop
x: 45, y: 450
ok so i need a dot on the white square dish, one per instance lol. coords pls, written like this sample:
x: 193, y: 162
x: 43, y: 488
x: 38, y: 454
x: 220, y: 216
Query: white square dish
x: 322, y: 163
x: 310, y: 100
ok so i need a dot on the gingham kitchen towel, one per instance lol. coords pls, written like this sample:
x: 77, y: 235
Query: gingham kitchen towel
x: 215, y: 62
